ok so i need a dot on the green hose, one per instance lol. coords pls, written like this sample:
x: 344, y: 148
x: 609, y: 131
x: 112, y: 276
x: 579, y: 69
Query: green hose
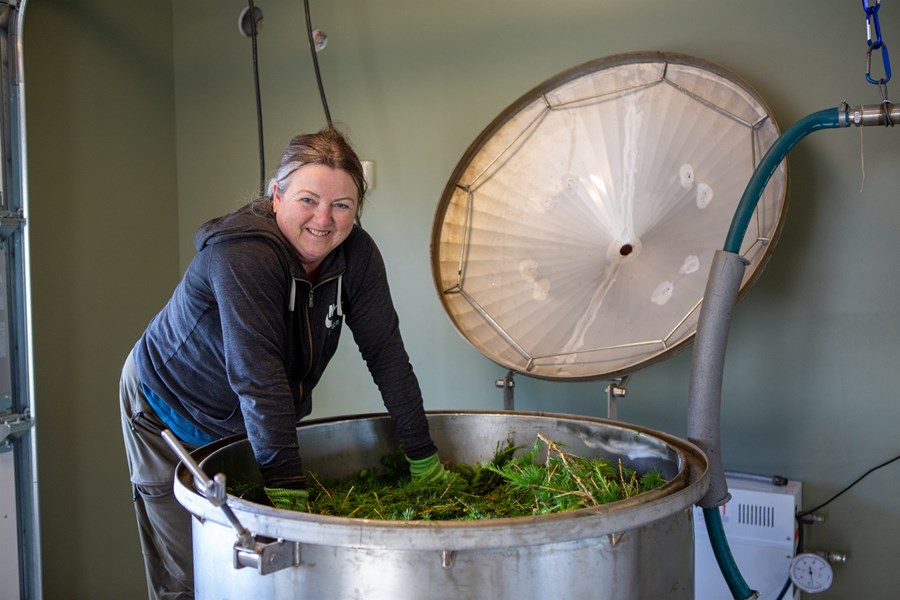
x: 824, y: 119
x: 739, y: 588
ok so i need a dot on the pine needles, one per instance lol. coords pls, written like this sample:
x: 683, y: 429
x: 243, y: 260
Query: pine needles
x: 502, y: 488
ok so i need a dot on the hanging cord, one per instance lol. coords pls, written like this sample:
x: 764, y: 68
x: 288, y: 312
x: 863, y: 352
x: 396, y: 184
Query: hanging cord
x: 862, y: 158
x: 315, y: 59
x: 249, y: 27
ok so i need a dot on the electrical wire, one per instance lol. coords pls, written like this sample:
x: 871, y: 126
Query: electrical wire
x: 259, y: 117
x: 836, y: 496
x: 315, y: 59
x: 806, y: 513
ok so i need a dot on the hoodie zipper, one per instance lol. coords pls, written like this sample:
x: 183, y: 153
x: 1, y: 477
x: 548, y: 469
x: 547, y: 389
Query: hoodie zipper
x: 308, y: 320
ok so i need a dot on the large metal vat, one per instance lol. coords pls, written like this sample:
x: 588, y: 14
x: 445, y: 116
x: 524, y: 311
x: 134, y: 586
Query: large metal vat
x: 636, y: 548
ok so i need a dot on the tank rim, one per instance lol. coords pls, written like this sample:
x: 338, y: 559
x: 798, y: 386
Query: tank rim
x: 607, y: 520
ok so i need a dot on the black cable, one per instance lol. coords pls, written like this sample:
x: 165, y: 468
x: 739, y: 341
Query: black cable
x: 835, y: 497
x: 787, y: 584
x: 801, y: 522
x: 259, y: 118
x: 800, y: 515
x: 315, y: 59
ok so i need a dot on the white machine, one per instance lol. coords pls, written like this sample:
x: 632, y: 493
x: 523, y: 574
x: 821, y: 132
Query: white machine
x: 762, y: 534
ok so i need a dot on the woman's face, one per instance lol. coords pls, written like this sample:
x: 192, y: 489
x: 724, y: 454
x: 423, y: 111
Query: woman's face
x: 316, y: 212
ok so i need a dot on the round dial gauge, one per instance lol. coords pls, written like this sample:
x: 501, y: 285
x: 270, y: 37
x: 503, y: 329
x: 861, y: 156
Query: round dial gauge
x: 811, y: 573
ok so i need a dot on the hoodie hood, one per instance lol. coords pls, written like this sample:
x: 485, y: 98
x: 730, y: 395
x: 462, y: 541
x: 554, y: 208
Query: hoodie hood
x: 244, y: 222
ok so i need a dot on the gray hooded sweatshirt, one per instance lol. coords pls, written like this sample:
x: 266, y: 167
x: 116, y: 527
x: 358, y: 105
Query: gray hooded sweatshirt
x: 247, y: 335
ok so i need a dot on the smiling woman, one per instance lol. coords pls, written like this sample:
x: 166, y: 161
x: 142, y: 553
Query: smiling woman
x: 316, y: 211
x: 246, y: 337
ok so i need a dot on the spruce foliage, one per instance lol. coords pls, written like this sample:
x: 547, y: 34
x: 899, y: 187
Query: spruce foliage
x: 507, y: 486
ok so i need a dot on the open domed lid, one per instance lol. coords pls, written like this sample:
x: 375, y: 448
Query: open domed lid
x: 574, y: 238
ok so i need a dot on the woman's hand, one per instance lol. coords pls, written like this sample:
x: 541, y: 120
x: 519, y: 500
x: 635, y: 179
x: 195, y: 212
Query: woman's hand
x: 430, y: 470
x: 288, y: 499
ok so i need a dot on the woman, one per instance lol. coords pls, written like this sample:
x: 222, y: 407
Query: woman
x: 248, y: 333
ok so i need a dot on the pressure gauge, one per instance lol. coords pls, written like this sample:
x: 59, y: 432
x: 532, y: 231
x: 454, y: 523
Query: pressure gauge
x: 811, y: 573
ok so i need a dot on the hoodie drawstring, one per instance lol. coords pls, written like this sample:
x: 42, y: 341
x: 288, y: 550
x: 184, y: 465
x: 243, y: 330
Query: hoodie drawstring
x: 293, y: 295
x: 337, y: 302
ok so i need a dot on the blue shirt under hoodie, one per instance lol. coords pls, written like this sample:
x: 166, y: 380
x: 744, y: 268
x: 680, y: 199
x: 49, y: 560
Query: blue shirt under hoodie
x: 246, y: 336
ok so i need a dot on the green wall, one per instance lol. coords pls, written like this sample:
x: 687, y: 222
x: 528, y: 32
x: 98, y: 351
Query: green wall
x: 104, y: 240
x: 142, y: 125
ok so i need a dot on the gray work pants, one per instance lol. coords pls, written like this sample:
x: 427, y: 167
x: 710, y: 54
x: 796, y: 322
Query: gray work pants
x: 164, y: 525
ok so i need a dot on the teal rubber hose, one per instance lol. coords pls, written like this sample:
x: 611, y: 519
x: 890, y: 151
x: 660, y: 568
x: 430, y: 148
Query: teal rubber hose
x: 739, y: 588
x: 824, y: 119
x: 706, y: 401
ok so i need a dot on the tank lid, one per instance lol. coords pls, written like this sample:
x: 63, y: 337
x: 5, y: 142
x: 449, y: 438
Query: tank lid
x: 574, y: 238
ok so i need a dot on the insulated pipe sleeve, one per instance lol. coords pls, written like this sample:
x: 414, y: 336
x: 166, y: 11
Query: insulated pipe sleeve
x: 705, y: 392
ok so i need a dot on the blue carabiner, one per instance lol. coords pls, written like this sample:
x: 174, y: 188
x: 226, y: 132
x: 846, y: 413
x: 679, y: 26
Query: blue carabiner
x: 872, y: 15
x: 885, y: 59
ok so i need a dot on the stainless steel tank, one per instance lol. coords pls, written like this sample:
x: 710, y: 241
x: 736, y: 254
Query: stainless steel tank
x: 635, y: 548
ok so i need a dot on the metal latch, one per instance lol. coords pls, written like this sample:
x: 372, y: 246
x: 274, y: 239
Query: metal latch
x: 10, y: 222
x: 265, y: 557
x: 11, y: 426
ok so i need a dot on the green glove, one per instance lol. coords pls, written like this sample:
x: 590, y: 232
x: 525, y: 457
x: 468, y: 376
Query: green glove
x: 430, y: 470
x: 288, y: 499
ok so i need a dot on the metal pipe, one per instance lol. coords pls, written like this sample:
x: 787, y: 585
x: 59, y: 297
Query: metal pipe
x: 885, y: 114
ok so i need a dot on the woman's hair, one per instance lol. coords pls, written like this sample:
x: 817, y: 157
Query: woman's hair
x: 325, y: 147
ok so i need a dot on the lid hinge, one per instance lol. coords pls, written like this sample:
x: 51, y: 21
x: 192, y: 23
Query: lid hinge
x: 615, y: 390
x: 508, y: 386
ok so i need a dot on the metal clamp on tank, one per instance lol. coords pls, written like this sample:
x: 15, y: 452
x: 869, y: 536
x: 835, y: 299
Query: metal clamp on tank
x: 266, y: 557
